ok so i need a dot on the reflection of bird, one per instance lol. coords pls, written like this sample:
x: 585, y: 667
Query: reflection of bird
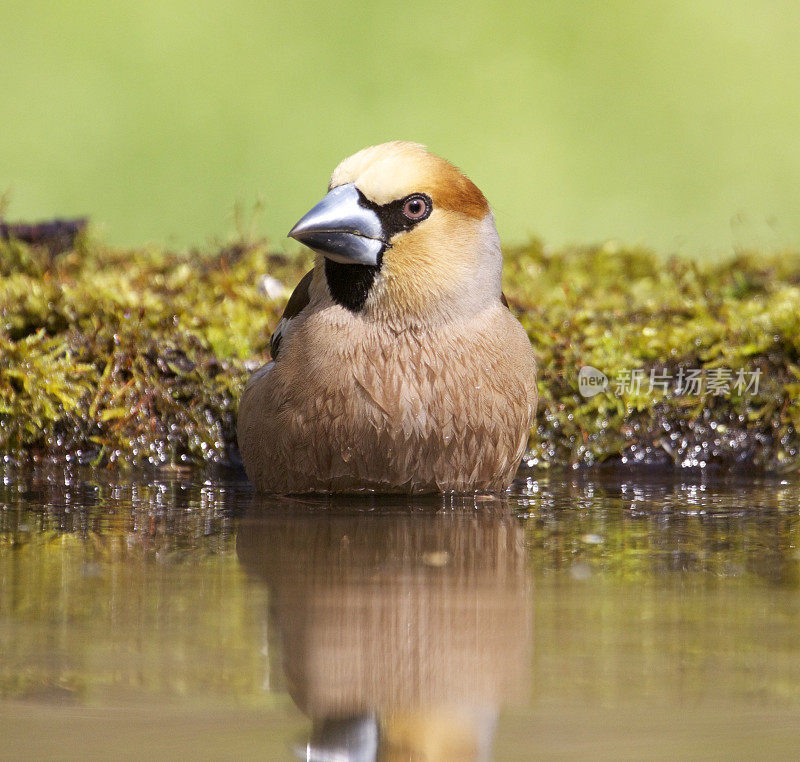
x: 404, y: 630
x: 396, y: 365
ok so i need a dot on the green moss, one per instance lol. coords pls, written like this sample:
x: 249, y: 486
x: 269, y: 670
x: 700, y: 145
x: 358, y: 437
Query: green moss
x: 140, y: 355
x: 130, y: 355
x: 619, y: 310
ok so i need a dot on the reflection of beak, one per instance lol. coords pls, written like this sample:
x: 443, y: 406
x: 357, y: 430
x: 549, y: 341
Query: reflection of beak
x: 349, y: 739
x: 339, y: 228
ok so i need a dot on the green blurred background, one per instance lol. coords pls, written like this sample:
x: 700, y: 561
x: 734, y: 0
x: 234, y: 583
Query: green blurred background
x: 672, y: 124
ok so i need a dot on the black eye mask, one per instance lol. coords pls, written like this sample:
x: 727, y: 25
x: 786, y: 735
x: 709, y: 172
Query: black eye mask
x: 391, y: 215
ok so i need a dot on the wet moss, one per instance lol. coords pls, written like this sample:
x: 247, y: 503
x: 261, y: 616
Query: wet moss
x: 128, y: 356
x: 139, y: 355
x: 623, y: 311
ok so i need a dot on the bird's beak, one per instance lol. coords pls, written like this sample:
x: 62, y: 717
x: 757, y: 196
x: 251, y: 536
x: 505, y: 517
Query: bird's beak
x: 339, y: 228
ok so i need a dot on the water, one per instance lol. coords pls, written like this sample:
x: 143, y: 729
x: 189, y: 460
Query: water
x: 177, y: 615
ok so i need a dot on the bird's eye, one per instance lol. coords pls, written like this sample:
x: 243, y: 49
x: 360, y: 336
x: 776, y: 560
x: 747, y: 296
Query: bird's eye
x: 417, y: 207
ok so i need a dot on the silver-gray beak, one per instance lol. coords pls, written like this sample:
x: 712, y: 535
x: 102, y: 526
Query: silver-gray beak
x: 339, y: 228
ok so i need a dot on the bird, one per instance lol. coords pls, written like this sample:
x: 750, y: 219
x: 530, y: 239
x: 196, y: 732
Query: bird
x: 397, y: 366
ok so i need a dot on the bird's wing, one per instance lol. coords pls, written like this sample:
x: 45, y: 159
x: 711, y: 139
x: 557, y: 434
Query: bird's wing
x: 504, y: 300
x: 296, y: 304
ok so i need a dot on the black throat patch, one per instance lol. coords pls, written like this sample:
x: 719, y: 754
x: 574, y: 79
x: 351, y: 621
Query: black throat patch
x: 350, y: 284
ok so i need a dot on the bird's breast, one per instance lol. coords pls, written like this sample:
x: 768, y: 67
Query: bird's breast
x: 367, y: 405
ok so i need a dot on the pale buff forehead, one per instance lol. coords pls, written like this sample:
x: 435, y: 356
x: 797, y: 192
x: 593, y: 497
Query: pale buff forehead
x: 386, y: 172
x: 390, y: 171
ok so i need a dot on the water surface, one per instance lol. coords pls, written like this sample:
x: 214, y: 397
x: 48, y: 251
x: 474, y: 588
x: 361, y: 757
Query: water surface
x: 175, y: 614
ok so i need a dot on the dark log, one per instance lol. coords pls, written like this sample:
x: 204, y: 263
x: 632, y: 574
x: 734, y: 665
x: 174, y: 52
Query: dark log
x: 57, y: 235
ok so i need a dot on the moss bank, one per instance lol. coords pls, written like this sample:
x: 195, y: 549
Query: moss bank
x: 131, y: 356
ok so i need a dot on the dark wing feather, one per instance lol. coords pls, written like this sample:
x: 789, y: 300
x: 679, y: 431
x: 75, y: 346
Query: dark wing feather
x: 504, y: 300
x: 296, y: 304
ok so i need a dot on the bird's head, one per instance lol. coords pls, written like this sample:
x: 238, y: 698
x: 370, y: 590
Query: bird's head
x: 404, y: 232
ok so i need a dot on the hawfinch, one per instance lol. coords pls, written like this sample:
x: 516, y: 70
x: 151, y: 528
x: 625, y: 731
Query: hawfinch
x: 397, y: 365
